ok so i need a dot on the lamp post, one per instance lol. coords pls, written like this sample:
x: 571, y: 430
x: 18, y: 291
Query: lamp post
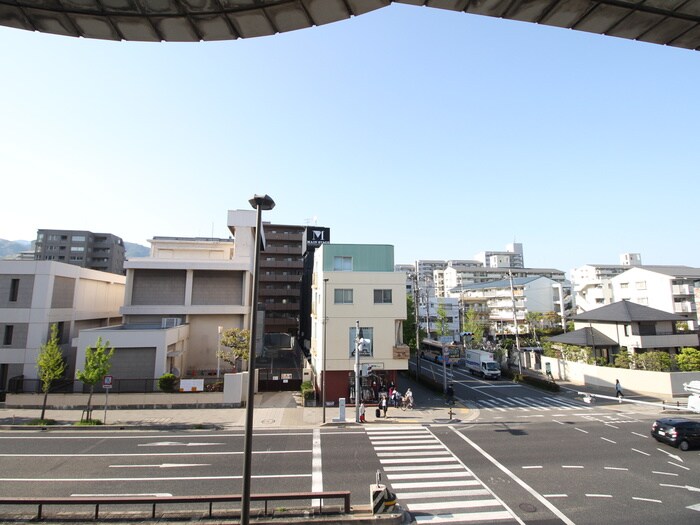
x: 259, y: 203
x: 515, y: 321
x: 325, y: 322
x: 358, y: 347
x: 218, y: 353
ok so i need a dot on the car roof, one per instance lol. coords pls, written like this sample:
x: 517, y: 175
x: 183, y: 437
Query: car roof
x: 675, y: 420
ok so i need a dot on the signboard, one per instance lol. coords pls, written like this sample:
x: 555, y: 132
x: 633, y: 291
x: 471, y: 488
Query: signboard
x: 191, y: 385
x: 315, y: 236
x: 107, y: 382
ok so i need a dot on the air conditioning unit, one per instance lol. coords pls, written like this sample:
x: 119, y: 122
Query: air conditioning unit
x: 170, y: 322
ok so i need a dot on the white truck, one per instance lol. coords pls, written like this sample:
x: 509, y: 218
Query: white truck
x: 481, y: 363
x: 694, y: 400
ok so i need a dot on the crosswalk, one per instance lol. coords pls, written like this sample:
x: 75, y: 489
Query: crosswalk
x: 431, y: 482
x: 527, y: 404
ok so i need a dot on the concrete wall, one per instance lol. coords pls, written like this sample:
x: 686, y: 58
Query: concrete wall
x: 660, y: 384
x: 126, y: 401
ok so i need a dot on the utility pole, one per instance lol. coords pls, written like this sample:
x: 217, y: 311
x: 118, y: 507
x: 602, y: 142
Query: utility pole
x: 515, y: 321
x: 358, y: 346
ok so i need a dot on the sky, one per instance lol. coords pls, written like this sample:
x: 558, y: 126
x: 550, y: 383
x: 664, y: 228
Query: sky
x: 441, y: 133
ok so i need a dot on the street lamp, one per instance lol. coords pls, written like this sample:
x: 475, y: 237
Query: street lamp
x: 259, y: 203
x: 358, y: 386
x: 218, y: 354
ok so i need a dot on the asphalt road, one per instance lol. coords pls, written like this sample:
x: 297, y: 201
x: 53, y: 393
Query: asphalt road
x: 529, y: 457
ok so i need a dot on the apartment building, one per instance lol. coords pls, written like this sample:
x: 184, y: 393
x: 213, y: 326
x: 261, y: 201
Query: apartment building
x: 354, y: 283
x: 592, y: 283
x: 512, y: 257
x: 457, y: 279
x: 97, y: 251
x: 36, y: 294
x: 439, y: 314
x: 667, y: 288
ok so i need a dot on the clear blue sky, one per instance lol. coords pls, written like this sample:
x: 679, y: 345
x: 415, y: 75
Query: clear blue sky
x: 444, y: 134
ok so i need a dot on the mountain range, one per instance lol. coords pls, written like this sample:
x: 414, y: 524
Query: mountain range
x: 10, y: 248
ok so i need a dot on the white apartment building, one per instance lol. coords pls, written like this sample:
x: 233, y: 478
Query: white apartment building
x: 357, y: 283
x: 528, y: 294
x: 36, y: 294
x: 456, y: 279
x: 177, y: 299
x: 667, y: 288
x: 512, y: 257
x: 592, y: 283
x: 429, y: 314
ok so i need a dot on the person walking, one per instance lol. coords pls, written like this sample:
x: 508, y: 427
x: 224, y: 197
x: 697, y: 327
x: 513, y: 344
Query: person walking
x: 409, y: 398
x: 450, y: 393
x: 362, y: 412
x: 618, y: 390
x: 383, y: 405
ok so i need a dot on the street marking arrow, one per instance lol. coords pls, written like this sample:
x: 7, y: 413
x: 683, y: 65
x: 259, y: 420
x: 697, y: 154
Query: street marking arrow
x: 687, y: 487
x: 694, y: 507
x: 677, y: 458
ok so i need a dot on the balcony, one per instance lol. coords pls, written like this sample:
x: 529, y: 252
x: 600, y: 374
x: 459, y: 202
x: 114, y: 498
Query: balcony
x: 662, y: 340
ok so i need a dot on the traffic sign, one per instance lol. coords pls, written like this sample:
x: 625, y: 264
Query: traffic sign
x: 107, y: 382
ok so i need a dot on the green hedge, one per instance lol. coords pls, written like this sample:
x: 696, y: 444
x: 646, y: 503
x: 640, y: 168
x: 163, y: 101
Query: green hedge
x: 307, y: 390
x: 538, y: 382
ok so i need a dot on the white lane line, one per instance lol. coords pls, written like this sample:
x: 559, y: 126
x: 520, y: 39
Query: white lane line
x: 611, y: 426
x: 120, y: 455
x: 581, y: 430
x: 664, y: 473
x: 463, y: 517
x: 434, y: 484
x: 445, y: 459
x: 615, y: 468
x: 430, y: 475
x: 679, y: 466
x: 411, y: 468
x: 408, y: 453
x: 437, y: 506
x: 599, y: 495
x: 572, y: 466
x: 640, y: 435
x: 412, y: 447
x: 648, y: 499
x: 403, y: 441
x: 609, y: 440
x: 531, y: 466
x: 555, y: 495
x: 641, y: 452
x: 316, y: 466
x: 515, y: 478
x: 560, y: 422
x: 164, y: 465
x: 442, y: 494
x: 175, y: 478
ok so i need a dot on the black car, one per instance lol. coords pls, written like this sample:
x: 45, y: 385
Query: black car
x: 677, y: 431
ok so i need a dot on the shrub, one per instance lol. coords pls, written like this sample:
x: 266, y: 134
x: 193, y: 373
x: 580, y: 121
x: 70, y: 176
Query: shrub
x: 655, y: 361
x: 536, y: 382
x: 688, y: 360
x: 307, y: 390
x: 167, y: 383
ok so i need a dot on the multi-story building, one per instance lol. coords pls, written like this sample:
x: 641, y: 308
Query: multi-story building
x: 512, y: 257
x: 439, y: 314
x: 527, y: 294
x: 592, y: 283
x: 357, y: 283
x: 37, y: 294
x: 97, y: 251
x: 667, y: 288
x: 456, y: 279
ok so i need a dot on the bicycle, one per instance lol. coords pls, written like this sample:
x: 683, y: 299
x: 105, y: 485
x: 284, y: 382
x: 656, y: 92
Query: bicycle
x: 406, y: 404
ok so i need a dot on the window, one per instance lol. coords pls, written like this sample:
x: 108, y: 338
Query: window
x: 77, y: 248
x: 624, y: 286
x: 342, y: 296
x: 7, y: 338
x: 382, y: 297
x: 14, y: 290
x: 641, y: 285
x: 599, y: 300
x: 342, y: 264
x: 78, y: 238
x: 366, y: 349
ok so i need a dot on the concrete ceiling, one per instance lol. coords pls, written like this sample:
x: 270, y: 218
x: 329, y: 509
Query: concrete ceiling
x: 669, y: 22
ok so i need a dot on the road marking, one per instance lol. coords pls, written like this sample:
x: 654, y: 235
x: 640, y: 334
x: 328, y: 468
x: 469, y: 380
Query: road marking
x: 679, y: 466
x: 615, y: 468
x: 515, y: 478
x: 641, y: 452
x: 664, y: 473
x: 430, y: 475
x: 560, y: 422
x: 442, y: 494
x: 686, y: 487
x: 647, y: 499
x: 434, y: 484
x: 178, y: 444
x: 176, y: 478
x: 411, y: 468
x: 411, y: 447
x: 316, y: 466
x: 463, y: 517
x: 532, y: 466
x: 446, y: 459
x: 454, y: 505
x: 572, y: 466
x: 673, y: 456
x: 694, y: 507
x: 223, y: 453
x: 164, y: 465
x: 640, y: 435
x: 610, y: 425
x: 609, y: 440
x: 598, y: 495
x: 581, y: 430
x: 555, y: 495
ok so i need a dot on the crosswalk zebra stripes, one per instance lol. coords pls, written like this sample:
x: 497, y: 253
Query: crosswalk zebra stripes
x: 527, y: 404
x: 430, y: 481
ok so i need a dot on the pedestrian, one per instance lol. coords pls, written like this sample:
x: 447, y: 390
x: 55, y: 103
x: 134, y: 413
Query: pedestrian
x: 383, y: 404
x: 450, y: 395
x: 618, y: 390
x: 362, y: 412
x: 409, y: 398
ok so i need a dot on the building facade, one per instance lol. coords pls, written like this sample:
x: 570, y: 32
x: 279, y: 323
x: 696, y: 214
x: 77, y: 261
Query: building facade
x: 354, y: 283
x: 97, y: 251
x: 36, y: 294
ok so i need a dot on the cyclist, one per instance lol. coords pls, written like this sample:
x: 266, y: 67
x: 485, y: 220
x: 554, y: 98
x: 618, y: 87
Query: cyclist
x: 408, y: 398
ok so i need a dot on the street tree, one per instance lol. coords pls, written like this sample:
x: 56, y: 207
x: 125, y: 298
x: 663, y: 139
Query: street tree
x: 97, y: 365
x: 409, y: 325
x: 237, y: 342
x: 443, y: 326
x: 50, y: 365
x: 688, y: 360
x: 473, y: 323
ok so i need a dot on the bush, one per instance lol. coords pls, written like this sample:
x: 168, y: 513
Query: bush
x: 538, y: 382
x: 167, y: 383
x: 307, y: 390
x: 688, y: 360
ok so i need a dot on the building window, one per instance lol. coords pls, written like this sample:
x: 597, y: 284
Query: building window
x: 599, y: 301
x: 14, y: 290
x: 78, y: 238
x: 641, y: 285
x: 624, y: 286
x: 77, y: 248
x: 382, y: 297
x: 342, y: 264
x: 7, y: 337
x: 366, y: 349
x: 342, y: 295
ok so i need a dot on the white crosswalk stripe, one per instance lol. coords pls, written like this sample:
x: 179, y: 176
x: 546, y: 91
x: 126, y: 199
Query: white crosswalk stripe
x: 527, y: 404
x: 436, y: 488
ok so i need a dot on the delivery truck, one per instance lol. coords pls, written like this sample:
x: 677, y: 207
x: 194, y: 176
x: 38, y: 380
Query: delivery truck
x: 481, y: 363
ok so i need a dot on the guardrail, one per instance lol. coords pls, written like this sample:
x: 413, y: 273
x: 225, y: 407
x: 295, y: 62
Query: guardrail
x: 40, y: 503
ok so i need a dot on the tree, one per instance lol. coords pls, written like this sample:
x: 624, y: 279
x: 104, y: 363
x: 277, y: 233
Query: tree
x: 50, y: 365
x: 97, y: 365
x: 688, y: 360
x: 237, y: 340
x: 655, y: 361
x: 472, y: 323
x: 409, y: 325
x: 442, y: 324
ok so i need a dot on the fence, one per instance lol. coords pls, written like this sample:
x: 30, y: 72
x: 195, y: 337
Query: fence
x: 22, y: 385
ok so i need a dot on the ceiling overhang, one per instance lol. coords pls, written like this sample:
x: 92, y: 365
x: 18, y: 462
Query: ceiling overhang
x: 667, y: 22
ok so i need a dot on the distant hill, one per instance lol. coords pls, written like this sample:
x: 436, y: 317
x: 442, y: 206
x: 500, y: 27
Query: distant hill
x: 136, y: 250
x: 11, y: 248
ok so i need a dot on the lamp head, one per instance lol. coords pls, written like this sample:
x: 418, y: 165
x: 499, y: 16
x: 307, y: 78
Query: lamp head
x: 265, y: 202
